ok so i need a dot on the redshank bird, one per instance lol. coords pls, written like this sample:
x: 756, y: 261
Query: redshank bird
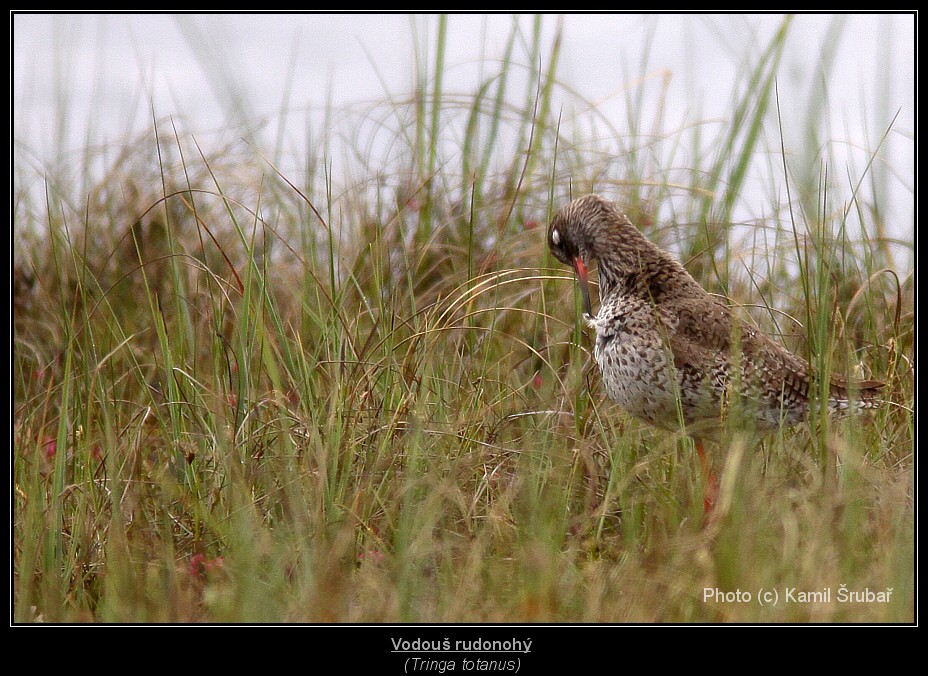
x: 671, y: 354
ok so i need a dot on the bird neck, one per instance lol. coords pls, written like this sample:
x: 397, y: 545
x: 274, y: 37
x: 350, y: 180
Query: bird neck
x: 644, y: 272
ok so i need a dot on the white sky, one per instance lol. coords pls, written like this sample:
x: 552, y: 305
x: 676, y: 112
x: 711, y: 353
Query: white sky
x: 106, y: 70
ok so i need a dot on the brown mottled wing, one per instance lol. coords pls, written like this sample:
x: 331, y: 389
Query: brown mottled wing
x: 781, y: 378
x: 770, y: 374
x: 776, y: 379
x: 699, y: 334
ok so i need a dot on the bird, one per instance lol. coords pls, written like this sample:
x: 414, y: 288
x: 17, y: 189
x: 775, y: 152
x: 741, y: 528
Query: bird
x: 673, y: 355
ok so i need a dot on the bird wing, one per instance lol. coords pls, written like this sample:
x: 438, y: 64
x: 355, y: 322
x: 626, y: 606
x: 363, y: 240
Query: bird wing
x: 703, y: 334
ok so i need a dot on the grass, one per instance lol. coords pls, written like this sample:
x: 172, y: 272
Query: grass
x: 244, y: 395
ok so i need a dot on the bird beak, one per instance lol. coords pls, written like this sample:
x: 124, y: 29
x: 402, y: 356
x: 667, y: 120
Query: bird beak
x: 582, y: 275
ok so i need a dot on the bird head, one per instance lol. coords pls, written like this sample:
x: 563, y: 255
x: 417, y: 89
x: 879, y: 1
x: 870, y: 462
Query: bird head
x: 571, y: 238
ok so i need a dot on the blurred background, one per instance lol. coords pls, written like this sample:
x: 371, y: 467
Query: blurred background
x: 282, y: 82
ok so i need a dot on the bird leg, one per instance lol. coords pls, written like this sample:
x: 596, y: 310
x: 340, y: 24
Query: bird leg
x: 710, y: 481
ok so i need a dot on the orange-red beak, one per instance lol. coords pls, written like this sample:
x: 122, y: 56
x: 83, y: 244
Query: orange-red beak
x: 582, y: 275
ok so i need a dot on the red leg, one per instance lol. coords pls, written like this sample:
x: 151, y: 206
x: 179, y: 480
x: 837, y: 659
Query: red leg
x: 712, y: 484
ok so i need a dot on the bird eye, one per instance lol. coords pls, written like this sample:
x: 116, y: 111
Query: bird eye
x: 555, y: 238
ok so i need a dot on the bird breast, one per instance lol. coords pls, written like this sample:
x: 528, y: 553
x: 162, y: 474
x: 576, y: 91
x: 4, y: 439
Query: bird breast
x: 636, y: 363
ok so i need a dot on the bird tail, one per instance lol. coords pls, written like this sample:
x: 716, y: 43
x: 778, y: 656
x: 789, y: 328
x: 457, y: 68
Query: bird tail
x: 854, y: 395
